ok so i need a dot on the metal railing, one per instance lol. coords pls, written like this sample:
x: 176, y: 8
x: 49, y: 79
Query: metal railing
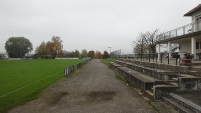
x: 186, y: 29
x: 69, y: 70
x: 176, y: 58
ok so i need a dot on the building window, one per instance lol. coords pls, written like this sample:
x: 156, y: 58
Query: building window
x: 197, y: 45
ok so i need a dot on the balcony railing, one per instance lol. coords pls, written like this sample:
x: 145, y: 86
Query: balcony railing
x: 189, y: 28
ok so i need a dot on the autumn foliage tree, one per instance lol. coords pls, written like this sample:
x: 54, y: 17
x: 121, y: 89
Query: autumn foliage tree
x: 98, y: 55
x: 91, y: 54
x: 105, y: 55
x: 84, y: 53
x: 51, y: 49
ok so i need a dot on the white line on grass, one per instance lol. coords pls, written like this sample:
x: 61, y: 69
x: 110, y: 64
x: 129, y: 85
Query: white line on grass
x: 28, y: 85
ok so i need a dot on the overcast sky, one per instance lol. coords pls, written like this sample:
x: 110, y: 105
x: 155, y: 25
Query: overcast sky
x: 90, y: 24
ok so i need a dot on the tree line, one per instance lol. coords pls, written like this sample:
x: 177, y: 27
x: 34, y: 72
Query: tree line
x: 18, y: 47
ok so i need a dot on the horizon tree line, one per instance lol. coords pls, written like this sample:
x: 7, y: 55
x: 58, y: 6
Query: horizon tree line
x: 20, y: 47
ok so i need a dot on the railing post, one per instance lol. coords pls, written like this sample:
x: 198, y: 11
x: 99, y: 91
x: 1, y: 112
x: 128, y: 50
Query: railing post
x: 153, y: 57
x: 183, y: 30
x: 193, y: 27
x: 161, y: 58
x: 168, y: 59
x: 149, y: 57
x: 156, y: 57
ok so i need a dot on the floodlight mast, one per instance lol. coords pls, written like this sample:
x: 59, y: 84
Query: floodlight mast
x: 110, y: 49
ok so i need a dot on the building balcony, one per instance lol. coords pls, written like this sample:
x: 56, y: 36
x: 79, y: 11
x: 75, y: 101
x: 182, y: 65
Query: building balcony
x: 185, y: 31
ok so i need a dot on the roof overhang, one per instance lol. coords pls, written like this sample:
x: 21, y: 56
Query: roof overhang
x: 189, y: 13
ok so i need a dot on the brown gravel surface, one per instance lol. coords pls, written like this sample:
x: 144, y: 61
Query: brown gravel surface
x: 94, y: 89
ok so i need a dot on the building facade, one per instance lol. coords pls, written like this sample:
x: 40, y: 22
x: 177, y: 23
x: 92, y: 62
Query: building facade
x: 188, y: 36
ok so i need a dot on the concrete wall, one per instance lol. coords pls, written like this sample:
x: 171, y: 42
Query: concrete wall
x: 185, y: 46
x: 190, y: 84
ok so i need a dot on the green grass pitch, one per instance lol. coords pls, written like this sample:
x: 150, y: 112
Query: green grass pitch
x: 23, y: 80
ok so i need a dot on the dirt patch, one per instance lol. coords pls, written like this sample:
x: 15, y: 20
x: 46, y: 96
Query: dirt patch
x: 100, y: 96
x: 56, y: 97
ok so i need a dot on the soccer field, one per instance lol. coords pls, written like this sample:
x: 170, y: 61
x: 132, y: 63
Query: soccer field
x: 23, y: 80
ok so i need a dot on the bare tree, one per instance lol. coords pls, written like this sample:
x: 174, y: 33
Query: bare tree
x: 146, y: 42
x: 140, y: 45
x: 151, y: 41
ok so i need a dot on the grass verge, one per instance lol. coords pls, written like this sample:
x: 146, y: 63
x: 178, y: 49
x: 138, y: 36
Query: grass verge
x: 108, y: 60
x: 152, y: 106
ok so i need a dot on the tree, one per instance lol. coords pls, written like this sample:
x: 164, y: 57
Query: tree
x: 151, y: 41
x: 77, y: 53
x: 140, y: 45
x: 17, y: 47
x: 51, y: 49
x: 146, y: 42
x: 91, y: 54
x: 56, y: 46
x: 98, y: 55
x: 41, y: 50
x: 84, y: 53
x: 105, y: 55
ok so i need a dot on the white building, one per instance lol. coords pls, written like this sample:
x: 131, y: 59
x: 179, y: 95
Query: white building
x: 188, y: 36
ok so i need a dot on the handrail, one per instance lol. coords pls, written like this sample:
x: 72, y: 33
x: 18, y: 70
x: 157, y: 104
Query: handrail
x: 186, y: 29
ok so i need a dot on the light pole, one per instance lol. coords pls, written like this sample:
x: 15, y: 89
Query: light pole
x: 110, y: 49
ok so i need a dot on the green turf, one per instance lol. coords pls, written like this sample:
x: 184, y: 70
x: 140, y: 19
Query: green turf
x: 106, y: 61
x: 23, y: 80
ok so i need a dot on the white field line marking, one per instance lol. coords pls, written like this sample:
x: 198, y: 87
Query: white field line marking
x: 28, y: 85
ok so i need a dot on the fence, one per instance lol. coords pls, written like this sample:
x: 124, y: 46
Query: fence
x: 82, y: 63
x: 68, y: 70
x: 71, y: 69
x: 175, y: 58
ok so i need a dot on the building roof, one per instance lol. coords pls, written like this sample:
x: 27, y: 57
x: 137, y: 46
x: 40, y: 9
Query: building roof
x: 189, y: 13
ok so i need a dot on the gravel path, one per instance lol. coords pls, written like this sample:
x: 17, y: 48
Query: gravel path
x: 94, y: 89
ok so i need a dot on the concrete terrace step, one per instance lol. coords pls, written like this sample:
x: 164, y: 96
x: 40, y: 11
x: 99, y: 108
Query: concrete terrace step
x: 193, y: 72
x: 160, y: 79
x: 114, y: 65
x: 178, y: 106
x: 165, y: 81
x: 184, y: 102
x: 152, y: 72
x: 137, y: 75
x: 140, y: 80
x: 176, y: 84
x: 175, y: 79
x: 149, y: 94
x: 188, y: 76
x: 163, y: 89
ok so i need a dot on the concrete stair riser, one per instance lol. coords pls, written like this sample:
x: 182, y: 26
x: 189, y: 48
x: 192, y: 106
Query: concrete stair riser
x: 185, y: 103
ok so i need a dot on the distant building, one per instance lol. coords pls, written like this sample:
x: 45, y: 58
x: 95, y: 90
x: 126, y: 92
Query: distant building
x: 188, y: 36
